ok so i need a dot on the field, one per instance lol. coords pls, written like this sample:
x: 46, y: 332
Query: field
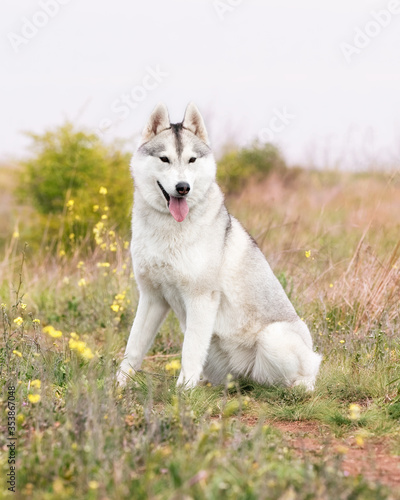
x: 332, y: 238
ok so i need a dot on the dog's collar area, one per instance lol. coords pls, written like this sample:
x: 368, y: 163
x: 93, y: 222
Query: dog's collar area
x: 166, y: 195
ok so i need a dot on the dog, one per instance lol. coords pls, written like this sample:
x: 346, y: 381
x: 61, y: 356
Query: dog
x: 190, y: 255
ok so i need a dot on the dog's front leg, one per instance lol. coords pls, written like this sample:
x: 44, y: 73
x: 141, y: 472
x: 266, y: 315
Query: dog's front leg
x: 151, y: 312
x: 200, y: 321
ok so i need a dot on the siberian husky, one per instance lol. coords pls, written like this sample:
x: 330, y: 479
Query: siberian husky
x: 190, y: 255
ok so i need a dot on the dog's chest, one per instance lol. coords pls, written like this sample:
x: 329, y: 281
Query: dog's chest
x: 171, y: 261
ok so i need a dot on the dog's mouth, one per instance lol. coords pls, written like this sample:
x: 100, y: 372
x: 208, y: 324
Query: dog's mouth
x: 178, y: 207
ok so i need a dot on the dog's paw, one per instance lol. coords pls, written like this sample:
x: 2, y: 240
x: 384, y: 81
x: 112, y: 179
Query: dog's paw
x: 123, y: 374
x: 187, y: 382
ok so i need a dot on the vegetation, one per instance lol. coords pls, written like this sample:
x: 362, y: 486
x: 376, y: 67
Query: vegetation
x: 333, y: 240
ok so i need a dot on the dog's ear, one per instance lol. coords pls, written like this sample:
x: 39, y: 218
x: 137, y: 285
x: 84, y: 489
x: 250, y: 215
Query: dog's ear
x: 193, y: 121
x: 158, y: 121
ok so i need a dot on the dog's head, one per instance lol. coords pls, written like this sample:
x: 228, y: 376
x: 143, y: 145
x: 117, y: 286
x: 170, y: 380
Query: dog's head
x: 174, y: 166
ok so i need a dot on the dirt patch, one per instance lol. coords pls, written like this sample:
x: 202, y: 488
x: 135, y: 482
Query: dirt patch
x: 369, y: 457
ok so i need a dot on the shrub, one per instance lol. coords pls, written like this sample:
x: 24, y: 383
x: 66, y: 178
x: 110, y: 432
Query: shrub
x: 73, y: 180
x: 238, y: 166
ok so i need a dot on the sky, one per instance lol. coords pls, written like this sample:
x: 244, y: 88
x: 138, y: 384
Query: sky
x: 321, y: 80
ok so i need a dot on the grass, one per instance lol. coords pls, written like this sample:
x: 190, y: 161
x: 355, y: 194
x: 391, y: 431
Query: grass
x: 333, y: 241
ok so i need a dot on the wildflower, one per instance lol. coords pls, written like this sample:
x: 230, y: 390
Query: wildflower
x: 113, y: 247
x: 342, y: 341
x: 103, y: 246
x: 61, y: 253
x: 50, y: 330
x: 15, y: 234
x: 18, y: 321
x: 354, y: 411
x: 72, y: 236
x: 70, y: 204
x: 20, y: 418
x: 3, y: 305
x: 22, y: 306
x: 120, y: 296
x: 331, y: 285
x: 173, y: 366
x: 17, y: 353
x: 126, y: 244
x: 65, y: 280
x: 93, y: 485
x: 81, y: 348
x: 95, y: 208
x: 111, y: 233
x: 34, y: 398
x: 103, y: 264
x: 36, y: 321
x: 74, y: 335
x: 103, y: 190
x: 106, y: 209
x: 36, y: 384
x: 82, y: 282
x: 104, y: 216
x: 115, y: 307
x: 307, y: 253
x: 80, y: 264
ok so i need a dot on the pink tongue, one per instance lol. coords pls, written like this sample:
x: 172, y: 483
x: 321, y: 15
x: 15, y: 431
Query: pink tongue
x: 178, y: 208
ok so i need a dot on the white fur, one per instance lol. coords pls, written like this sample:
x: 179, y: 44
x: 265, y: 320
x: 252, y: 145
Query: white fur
x: 235, y: 315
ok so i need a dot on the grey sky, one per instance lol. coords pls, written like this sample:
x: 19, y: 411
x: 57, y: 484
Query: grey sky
x: 273, y: 69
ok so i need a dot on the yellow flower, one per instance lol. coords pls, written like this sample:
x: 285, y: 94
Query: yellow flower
x: 111, y: 233
x: 106, y: 209
x: 36, y: 384
x: 95, y: 208
x: 20, y: 418
x: 15, y: 234
x: 23, y: 306
x: 36, y: 321
x: 65, y: 280
x: 331, y: 285
x: 82, y: 282
x: 103, y: 190
x: 18, y: 321
x: 113, y: 247
x: 104, y: 216
x: 34, y: 398
x: 103, y: 246
x: 61, y: 253
x: 120, y: 296
x: 74, y: 335
x: 307, y: 254
x: 115, y: 307
x: 3, y: 305
x: 126, y: 244
x: 50, y: 330
x: 173, y: 366
x: 354, y: 411
x: 17, y: 353
x: 93, y: 485
x: 103, y: 264
x: 72, y: 236
x: 70, y: 204
x: 87, y: 353
x: 341, y: 341
x: 81, y: 348
x: 80, y: 264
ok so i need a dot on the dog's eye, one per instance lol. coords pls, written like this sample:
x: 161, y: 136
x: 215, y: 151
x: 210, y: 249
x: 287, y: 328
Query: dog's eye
x: 192, y: 160
x: 164, y: 159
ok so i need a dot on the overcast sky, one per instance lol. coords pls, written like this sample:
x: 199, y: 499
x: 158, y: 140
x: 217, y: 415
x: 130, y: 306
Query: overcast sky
x: 320, y: 79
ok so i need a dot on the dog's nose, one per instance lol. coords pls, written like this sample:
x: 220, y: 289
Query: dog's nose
x: 182, y: 188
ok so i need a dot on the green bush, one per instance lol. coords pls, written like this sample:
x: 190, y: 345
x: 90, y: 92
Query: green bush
x: 74, y: 180
x: 236, y: 167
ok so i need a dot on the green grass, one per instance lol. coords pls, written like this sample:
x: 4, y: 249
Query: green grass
x: 88, y: 439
